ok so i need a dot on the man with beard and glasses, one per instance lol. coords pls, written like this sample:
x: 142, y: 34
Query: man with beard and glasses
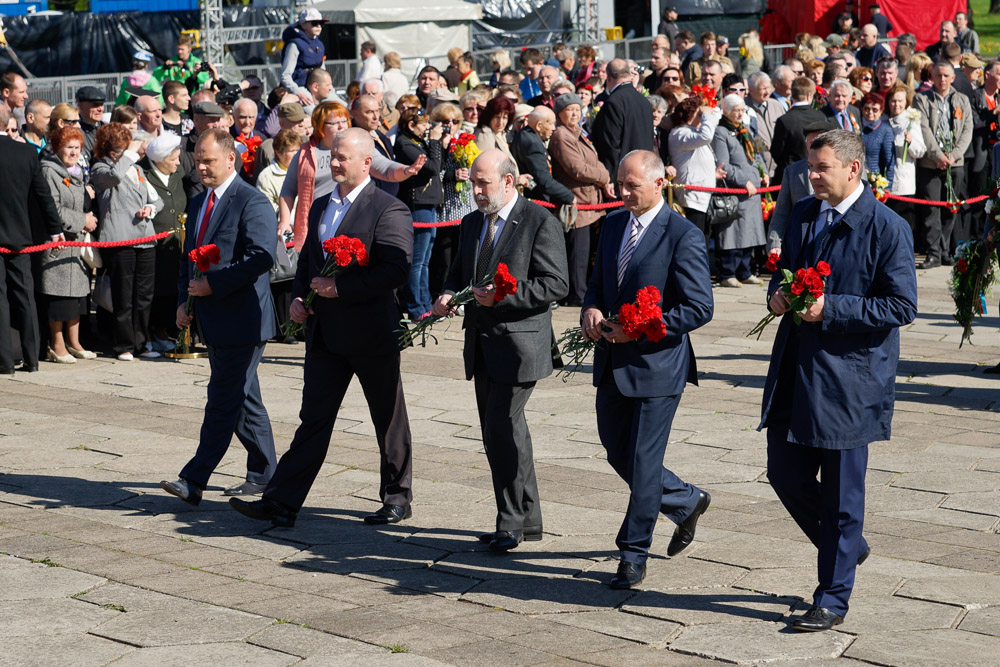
x: 507, y: 343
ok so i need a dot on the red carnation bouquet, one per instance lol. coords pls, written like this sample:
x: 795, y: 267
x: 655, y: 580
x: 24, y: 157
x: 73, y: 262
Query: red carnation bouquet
x: 643, y: 317
x: 340, y: 251
x: 707, y: 95
x: 503, y: 282
x: 250, y: 154
x: 802, y: 289
x: 203, y: 258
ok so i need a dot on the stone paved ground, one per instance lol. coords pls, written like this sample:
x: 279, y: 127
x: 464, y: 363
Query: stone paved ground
x: 104, y: 568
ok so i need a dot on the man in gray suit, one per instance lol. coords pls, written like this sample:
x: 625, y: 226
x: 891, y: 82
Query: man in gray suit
x: 508, y: 343
x: 795, y: 186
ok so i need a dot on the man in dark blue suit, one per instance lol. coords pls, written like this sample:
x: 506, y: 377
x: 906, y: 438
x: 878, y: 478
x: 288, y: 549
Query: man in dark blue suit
x: 639, y: 382
x: 235, y: 314
x: 830, y: 385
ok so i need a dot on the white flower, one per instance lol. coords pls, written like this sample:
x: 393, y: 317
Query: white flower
x: 989, y: 206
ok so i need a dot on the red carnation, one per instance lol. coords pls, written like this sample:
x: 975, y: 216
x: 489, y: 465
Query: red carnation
x: 205, y: 256
x: 505, y: 282
x: 772, y: 261
x: 343, y: 257
x: 963, y: 266
x: 644, y: 317
x: 340, y: 252
x: 823, y: 269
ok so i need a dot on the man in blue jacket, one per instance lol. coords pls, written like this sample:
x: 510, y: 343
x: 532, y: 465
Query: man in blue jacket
x: 639, y: 382
x: 235, y: 315
x: 830, y: 385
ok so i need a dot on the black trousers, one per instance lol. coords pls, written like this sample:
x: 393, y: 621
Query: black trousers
x: 17, y: 309
x: 326, y: 377
x: 578, y: 256
x: 163, y: 312
x: 939, y: 222
x: 234, y: 407
x: 972, y: 219
x: 133, y: 273
x: 508, y: 449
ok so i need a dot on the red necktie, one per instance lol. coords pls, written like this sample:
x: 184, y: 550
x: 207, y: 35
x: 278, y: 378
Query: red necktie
x: 843, y: 121
x: 205, y: 219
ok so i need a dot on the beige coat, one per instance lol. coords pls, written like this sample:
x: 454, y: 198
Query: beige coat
x: 487, y: 140
x: 926, y: 104
x: 575, y: 165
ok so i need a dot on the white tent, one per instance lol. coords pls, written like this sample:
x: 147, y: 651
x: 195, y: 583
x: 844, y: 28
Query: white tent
x: 411, y: 28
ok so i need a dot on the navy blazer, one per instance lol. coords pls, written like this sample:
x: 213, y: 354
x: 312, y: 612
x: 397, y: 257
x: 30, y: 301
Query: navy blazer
x: 364, y: 318
x: 841, y: 381
x: 239, y: 311
x: 670, y: 256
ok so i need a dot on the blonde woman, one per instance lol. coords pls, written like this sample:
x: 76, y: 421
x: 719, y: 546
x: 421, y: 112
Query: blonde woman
x: 393, y: 80
x: 751, y: 54
x: 914, y: 70
x: 501, y: 61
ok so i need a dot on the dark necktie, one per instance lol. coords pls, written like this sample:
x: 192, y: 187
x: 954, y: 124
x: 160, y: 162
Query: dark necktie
x: 486, y: 251
x: 628, y: 250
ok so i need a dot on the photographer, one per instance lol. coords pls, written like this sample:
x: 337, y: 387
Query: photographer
x: 184, y: 67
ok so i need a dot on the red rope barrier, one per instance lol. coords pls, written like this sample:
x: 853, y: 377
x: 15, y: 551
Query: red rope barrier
x: 81, y: 244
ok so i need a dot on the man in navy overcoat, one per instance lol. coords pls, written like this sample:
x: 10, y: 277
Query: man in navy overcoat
x: 830, y: 385
x: 639, y: 382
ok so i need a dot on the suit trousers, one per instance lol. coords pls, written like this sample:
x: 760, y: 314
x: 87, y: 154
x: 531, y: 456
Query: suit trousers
x: 939, y: 222
x: 830, y: 510
x: 133, y: 274
x: 326, y: 377
x: 234, y: 406
x: 578, y: 256
x: 634, y: 432
x: 17, y: 308
x: 508, y: 449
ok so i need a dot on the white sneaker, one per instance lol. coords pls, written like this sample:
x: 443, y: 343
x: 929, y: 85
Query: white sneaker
x: 125, y: 356
x: 730, y: 282
x: 150, y: 354
x: 752, y: 280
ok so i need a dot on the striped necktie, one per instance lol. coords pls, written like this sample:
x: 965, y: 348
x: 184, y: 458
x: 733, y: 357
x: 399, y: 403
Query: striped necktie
x: 486, y: 250
x: 626, y: 254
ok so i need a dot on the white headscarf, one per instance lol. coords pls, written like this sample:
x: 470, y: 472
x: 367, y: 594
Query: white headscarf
x: 162, y: 146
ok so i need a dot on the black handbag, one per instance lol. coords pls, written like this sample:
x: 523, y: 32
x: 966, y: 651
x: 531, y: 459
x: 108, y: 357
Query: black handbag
x: 722, y: 208
x: 279, y: 272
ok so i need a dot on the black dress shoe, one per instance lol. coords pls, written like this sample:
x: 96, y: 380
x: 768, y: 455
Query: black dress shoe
x: 6, y: 370
x: 532, y: 534
x: 265, y: 510
x: 245, y: 489
x: 947, y: 261
x: 29, y: 368
x: 684, y: 533
x: 389, y: 514
x: 930, y: 263
x: 505, y: 540
x: 183, y: 489
x: 816, y: 619
x: 995, y: 370
x: 863, y: 557
x: 628, y: 575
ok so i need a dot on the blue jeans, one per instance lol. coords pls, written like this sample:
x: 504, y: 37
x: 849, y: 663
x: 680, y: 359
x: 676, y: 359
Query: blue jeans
x: 418, y: 298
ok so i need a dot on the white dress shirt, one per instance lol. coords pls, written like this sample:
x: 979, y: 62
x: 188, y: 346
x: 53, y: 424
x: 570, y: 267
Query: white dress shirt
x: 644, y: 221
x: 336, y: 210
x: 219, y: 193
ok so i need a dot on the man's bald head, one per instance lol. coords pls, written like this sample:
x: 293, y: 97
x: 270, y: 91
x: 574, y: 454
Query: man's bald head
x: 543, y: 121
x: 492, y: 177
x: 618, y: 72
x: 351, y: 158
x: 146, y: 103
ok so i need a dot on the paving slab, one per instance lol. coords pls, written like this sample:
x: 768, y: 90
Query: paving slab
x: 66, y: 650
x: 969, y: 590
x: 754, y: 642
x: 236, y: 653
x: 927, y: 648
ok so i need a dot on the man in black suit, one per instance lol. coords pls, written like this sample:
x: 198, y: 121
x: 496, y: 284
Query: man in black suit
x: 366, y: 113
x: 839, y: 108
x: 351, y: 330
x: 528, y: 148
x: 507, y: 343
x: 235, y: 315
x: 21, y: 180
x: 625, y: 121
x: 789, y: 142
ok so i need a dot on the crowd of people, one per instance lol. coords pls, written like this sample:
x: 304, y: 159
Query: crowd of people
x: 444, y: 184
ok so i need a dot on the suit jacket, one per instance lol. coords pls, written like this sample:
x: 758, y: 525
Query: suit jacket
x: 961, y: 123
x: 768, y: 114
x: 852, y: 111
x: 21, y: 183
x: 385, y: 148
x: 984, y: 129
x: 789, y: 143
x: 532, y: 158
x: 239, y: 311
x: 515, y: 336
x: 575, y: 165
x: 833, y: 381
x: 363, y: 319
x: 795, y: 186
x: 624, y: 124
x: 670, y: 256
